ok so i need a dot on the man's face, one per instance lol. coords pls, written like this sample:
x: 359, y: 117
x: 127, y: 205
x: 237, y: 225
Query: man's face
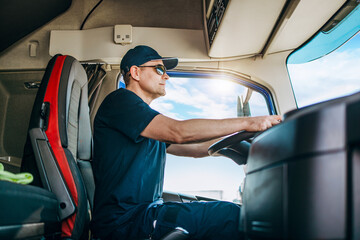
x: 151, y: 80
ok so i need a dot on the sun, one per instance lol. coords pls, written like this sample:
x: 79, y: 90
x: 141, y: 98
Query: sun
x: 221, y: 86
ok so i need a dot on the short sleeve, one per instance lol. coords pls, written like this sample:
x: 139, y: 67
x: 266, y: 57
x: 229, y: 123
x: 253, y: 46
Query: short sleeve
x: 124, y: 111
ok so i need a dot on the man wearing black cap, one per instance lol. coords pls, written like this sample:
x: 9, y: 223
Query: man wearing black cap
x: 130, y: 144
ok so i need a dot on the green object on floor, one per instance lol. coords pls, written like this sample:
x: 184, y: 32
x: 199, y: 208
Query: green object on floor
x: 23, y: 178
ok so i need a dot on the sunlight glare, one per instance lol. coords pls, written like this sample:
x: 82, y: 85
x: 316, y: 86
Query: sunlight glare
x: 221, y: 86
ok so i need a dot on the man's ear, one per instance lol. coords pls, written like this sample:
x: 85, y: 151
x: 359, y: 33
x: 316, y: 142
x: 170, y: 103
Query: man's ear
x: 135, y: 74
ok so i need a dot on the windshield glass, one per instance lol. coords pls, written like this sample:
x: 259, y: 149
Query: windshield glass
x: 327, y: 66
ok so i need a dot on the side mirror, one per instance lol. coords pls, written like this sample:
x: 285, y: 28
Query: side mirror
x: 243, y: 106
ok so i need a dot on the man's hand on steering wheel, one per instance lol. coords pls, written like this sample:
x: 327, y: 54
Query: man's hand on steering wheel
x: 258, y: 124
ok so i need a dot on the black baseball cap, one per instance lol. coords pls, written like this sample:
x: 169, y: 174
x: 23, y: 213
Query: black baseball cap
x: 142, y: 54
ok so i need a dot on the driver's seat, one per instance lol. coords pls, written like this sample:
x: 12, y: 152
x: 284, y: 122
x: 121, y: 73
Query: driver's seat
x: 59, y: 145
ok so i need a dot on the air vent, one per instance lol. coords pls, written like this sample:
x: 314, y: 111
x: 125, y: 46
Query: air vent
x: 215, y: 12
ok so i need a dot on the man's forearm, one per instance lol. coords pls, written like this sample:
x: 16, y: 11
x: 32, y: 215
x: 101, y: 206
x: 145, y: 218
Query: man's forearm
x: 169, y: 130
x: 196, y: 150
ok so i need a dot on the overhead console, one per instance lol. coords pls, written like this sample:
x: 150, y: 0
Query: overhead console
x: 232, y: 28
x: 246, y: 28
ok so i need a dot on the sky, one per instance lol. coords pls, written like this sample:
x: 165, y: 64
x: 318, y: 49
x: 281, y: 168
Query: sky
x: 198, y: 98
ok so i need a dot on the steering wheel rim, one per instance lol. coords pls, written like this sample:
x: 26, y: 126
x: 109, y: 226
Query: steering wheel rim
x: 231, y: 140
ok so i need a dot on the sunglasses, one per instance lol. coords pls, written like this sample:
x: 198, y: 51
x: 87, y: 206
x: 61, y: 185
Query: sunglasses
x: 160, y: 69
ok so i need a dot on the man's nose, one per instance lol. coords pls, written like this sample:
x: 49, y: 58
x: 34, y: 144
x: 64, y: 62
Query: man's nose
x: 165, y: 76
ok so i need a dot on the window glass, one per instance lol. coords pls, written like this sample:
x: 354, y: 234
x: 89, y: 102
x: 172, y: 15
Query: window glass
x: 120, y: 81
x: 327, y: 66
x: 258, y: 105
x: 186, y: 98
x: 334, y: 75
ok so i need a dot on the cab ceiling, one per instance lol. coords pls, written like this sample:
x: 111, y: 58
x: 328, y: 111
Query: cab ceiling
x: 249, y: 27
x: 22, y: 17
x: 182, y: 14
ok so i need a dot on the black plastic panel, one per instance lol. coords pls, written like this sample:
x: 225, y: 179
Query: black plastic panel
x: 303, y: 175
x: 355, y: 209
x: 50, y: 175
x: 318, y: 131
x: 263, y: 203
x: 316, y: 207
x: 21, y: 17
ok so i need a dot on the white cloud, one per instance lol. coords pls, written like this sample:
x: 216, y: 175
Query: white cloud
x: 332, y: 76
x: 208, y: 104
x: 165, y: 108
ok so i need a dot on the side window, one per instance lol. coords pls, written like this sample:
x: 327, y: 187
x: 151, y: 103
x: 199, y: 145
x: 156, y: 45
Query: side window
x: 258, y: 105
x: 120, y: 81
x: 207, y: 97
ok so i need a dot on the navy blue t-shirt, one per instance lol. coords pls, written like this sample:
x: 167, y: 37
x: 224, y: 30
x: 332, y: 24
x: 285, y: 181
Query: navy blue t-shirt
x: 128, y: 168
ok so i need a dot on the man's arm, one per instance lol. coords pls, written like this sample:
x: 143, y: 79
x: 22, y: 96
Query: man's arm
x: 169, y: 130
x: 196, y: 150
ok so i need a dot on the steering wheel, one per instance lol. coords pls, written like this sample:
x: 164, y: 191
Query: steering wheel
x: 234, y: 147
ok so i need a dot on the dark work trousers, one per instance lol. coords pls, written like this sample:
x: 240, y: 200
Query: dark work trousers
x: 216, y: 220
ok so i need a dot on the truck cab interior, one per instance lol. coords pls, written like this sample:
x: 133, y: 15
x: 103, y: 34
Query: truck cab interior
x: 59, y: 59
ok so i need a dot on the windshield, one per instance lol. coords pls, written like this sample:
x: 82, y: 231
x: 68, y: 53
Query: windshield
x: 327, y: 66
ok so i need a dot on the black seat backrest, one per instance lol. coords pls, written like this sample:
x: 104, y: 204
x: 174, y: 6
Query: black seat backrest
x: 59, y: 146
